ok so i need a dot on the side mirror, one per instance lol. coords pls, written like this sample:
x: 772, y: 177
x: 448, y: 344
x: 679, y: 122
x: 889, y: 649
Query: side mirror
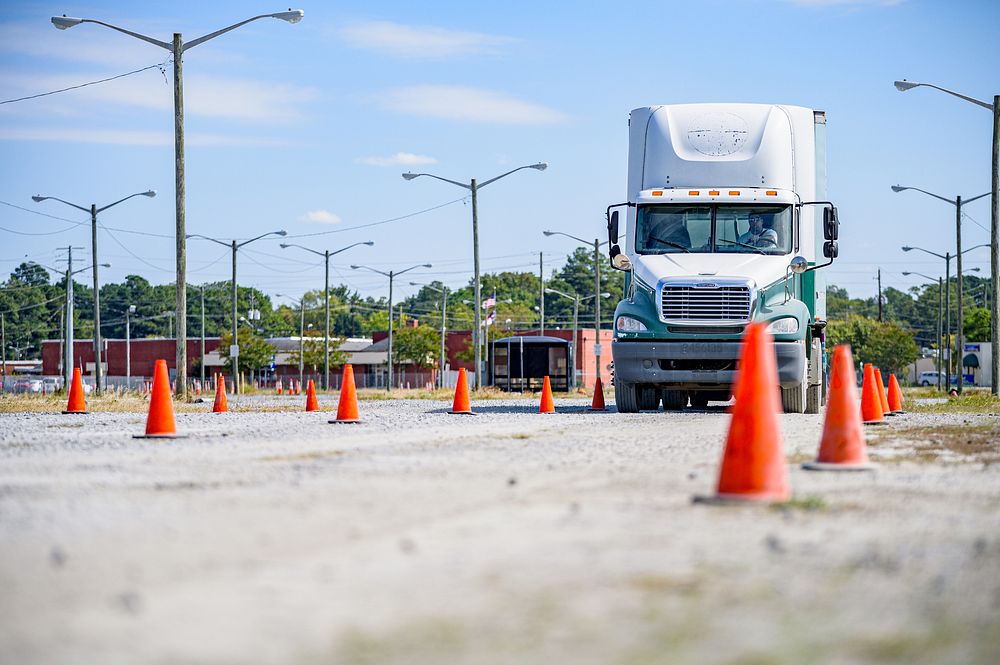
x: 613, y: 228
x: 619, y: 261
x: 831, y: 224
x: 798, y: 265
x: 830, y: 249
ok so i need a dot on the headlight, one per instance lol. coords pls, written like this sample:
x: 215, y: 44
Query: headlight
x: 785, y: 325
x: 628, y: 324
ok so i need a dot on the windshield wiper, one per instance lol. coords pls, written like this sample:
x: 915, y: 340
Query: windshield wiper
x: 741, y: 244
x: 672, y: 244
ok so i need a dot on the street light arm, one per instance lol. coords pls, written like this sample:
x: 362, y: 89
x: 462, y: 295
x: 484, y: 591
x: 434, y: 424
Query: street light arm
x: 286, y: 245
x: 897, y: 189
x: 365, y: 242
x: 150, y: 193
x: 62, y: 23
x: 198, y: 235
x: 292, y: 16
x: 921, y: 275
x: 907, y: 85
x: 926, y: 251
x: 39, y: 199
x: 975, y: 247
x: 974, y: 198
x: 541, y: 166
x: 262, y: 235
x: 422, y: 265
x: 558, y: 292
x: 372, y: 269
x: 411, y: 176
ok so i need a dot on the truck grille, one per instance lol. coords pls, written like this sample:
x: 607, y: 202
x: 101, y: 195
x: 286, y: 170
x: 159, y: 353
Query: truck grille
x: 683, y: 302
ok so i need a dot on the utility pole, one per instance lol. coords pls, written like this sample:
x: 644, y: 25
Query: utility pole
x: 959, y: 344
x: 444, y: 334
x: 302, y: 334
x: 597, y: 308
x: 234, y: 349
x: 880, y: 295
x: 128, y: 346
x: 940, y: 304
x: 203, y: 337
x: 3, y: 351
x: 68, y: 351
x: 541, y: 296
x: 97, y: 301
x: 947, y: 319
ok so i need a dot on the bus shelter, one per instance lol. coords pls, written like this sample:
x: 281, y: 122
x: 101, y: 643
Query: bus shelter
x: 521, y: 363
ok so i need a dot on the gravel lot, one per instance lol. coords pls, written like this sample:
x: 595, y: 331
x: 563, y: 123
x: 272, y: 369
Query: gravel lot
x: 510, y: 537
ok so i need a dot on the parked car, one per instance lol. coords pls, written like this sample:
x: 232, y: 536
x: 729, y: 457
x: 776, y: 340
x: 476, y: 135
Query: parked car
x: 931, y: 378
x: 88, y: 387
x: 28, y: 386
x: 50, y: 384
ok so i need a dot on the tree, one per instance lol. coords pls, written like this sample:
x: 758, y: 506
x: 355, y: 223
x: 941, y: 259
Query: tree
x: 420, y: 345
x: 255, y: 353
x: 885, y: 345
x: 977, y: 324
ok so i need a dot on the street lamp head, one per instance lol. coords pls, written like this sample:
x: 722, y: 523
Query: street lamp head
x: 151, y: 193
x: 355, y: 267
x: 540, y: 166
x: 907, y: 273
x: 105, y: 265
x: 410, y: 176
x: 904, y: 85
x: 65, y: 22
x: 605, y: 295
x: 897, y: 188
x: 973, y: 269
x: 369, y: 242
x: 281, y: 233
x: 131, y: 309
x: 38, y: 199
x: 284, y: 246
x: 907, y: 249
x: 548, y: 233
x: 427, y: 265
x: 292, y: 15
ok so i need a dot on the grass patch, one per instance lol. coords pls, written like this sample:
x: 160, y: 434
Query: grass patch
x: 962, y: 443
x: 806, y: 503
x: 970, y: 401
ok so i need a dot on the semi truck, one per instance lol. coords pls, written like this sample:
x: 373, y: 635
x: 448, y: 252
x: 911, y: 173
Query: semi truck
x: 726, y: 223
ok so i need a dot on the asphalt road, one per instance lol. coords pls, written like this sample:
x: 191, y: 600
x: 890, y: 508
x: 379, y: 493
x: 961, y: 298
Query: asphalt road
x: 508, y: 537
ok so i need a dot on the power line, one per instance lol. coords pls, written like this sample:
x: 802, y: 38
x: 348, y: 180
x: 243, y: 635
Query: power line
x: 384, y: 221
x: 159, y: 65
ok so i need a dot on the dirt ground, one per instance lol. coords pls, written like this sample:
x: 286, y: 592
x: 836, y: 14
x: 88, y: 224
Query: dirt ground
x: 420, y: 538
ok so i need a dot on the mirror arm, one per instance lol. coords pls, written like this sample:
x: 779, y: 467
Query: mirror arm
x: 822, y: 265
x: 814, y: 203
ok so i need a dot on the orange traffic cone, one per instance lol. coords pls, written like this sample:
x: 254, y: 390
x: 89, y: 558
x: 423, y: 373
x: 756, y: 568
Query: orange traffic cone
x: 882, y: 399
x: 871, y: 405
x: 277, y: 386
x: 160, y: 421
x: 753, y: 464
x: 842, y: 447
x: 347, y: 407
x: 461, y: 404
x: 547, y: 405
x: 76, y: 403
x: 312, y: 404
x: 598, y: 403
x: 220, y: 406
x: 895, y: 395
x: 298, y: 388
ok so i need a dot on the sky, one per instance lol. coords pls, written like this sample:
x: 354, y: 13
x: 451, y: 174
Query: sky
x: 308, y: 127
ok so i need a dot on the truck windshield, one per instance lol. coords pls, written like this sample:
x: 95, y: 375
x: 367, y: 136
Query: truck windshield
x: 756, y: 229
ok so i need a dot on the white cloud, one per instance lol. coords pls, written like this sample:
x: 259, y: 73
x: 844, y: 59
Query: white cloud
x: 399, y: 159
x: 320, y: 217
x: 472, y: 104
x: 128, y: 137
x: 414, y: 41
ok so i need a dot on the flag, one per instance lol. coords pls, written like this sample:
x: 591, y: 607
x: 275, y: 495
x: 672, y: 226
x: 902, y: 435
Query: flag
x: 491, y: 318
x: 490, y: 302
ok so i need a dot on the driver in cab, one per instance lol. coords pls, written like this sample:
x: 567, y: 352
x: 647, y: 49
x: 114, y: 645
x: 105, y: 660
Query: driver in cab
x: 759, y: 234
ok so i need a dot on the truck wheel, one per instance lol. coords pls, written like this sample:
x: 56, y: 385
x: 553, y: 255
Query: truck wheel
x: 793, y: 400
x: 625, y: 397
x: 699, y: 400
x: 649, y: 398
x: 814, y: 391
x: 674, y: 400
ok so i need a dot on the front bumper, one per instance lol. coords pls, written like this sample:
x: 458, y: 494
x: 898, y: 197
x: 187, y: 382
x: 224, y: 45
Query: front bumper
x: 697, y: 365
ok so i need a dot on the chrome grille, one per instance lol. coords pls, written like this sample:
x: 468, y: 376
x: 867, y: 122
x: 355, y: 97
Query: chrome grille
x: 683, y: 302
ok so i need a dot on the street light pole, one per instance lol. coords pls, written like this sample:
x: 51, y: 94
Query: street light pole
x: 92, y: 211
x: 326, y: 299
x: 444, y: 327
x: 596, y: 296
x: 234, y: 351
x: 128, y: 346
x: 473, y: 186
x: 937, y: 363
x: 576, y: 313
x: 905, y: 85
x: 177, y: 48
x: 391, y: 275
x: 202, y: 373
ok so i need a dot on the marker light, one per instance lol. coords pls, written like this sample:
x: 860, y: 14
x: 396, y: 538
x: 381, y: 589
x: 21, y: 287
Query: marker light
x: 694, y: 192
x: 657, y: 193
x: 734, y: 193
x: 771, y: 192
x: 713, y: 192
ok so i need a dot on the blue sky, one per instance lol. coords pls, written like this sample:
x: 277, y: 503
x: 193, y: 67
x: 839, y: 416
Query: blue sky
x: 307, y: 127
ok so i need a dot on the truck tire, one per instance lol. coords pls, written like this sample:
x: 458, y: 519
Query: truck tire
x: 674, y: 400
x: 814, y: 391
x: 625, y: 397
x: 649, y: 398
x: 793, y: 400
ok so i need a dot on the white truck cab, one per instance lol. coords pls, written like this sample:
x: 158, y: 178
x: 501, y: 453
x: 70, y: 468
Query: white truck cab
x: 725, y: 224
